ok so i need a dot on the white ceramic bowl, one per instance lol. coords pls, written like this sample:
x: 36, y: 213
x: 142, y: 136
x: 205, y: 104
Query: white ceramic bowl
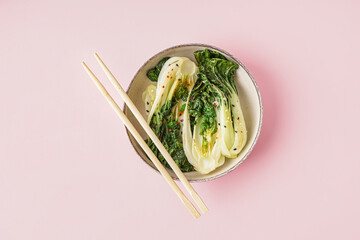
x: 249, y: 97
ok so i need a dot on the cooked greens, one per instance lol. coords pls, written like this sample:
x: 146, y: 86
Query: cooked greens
x: 214, y: 127
x: 153, y: 74
x: 175, y: 80
x: 196, y: 112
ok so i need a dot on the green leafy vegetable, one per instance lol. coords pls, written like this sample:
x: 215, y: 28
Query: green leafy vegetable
x: 182, y: 107
x: 153, y: 74
x: 175, y: 80
x: 214, y: 126
x: 196, y: 112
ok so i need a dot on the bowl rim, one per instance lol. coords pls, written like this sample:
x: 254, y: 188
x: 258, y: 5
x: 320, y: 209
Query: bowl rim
x: 125, y: 108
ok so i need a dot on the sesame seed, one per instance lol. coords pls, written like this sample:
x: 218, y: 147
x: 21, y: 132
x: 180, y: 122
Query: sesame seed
x: 147, y: 103
x: 147, y: 110
x: 224, y: 126
x: 234, y: 149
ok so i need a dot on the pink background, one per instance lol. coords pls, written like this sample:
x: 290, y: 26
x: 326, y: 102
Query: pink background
x: 68, y: 171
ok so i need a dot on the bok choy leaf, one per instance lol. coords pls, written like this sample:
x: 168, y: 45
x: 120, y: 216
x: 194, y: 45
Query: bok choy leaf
x: 174, y: 82
x: 214, y: 126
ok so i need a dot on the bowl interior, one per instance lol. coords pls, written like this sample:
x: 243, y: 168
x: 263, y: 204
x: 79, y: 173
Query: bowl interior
x: 249, y: 97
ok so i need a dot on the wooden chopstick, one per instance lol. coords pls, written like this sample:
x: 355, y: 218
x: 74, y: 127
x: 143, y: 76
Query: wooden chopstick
x: 143, y: 144
x: 153, y: 137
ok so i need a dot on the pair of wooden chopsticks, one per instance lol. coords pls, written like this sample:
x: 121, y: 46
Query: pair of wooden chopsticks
x: 153, y: 137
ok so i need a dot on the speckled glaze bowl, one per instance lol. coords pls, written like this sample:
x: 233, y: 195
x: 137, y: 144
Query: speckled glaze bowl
x: 249, y: 97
